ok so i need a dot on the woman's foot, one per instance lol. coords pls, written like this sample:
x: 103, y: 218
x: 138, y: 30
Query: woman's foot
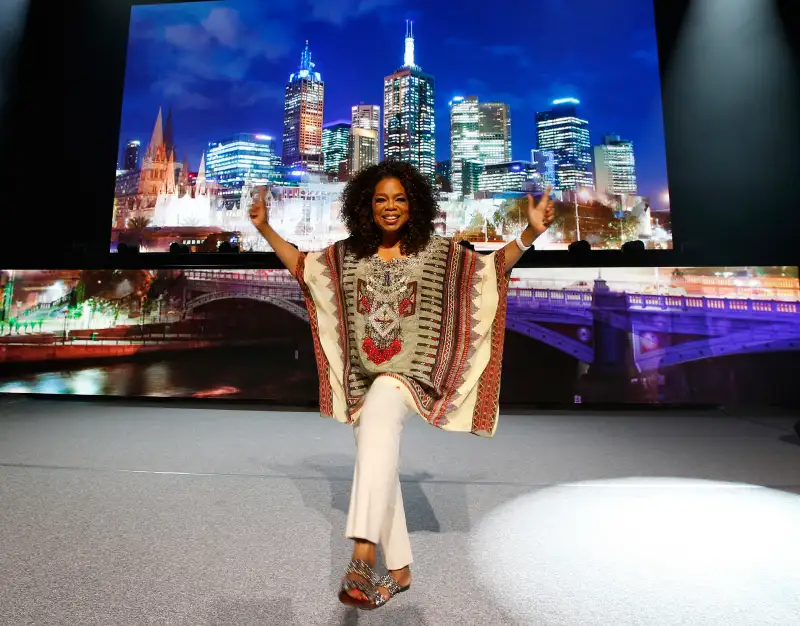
x: 362, y: 551
x: 365, y: 551
x: 402, y: 577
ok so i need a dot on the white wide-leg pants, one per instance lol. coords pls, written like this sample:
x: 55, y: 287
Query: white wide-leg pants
x: 376, y: 504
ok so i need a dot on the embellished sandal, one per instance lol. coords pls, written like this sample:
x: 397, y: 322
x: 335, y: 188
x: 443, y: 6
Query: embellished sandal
x: 391, y: 585
x: 365, y: 584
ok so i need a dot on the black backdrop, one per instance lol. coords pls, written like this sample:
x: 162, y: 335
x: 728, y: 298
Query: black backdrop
x: 731, y: 102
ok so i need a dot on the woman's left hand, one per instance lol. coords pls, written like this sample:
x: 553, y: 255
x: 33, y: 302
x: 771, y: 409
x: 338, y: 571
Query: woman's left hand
x: 540, y: 214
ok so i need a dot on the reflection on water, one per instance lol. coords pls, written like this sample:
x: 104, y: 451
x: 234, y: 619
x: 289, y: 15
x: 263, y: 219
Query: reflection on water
x: 267, y: 373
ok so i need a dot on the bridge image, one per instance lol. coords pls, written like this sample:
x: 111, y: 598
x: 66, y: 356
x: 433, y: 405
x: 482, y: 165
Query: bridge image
x: 597, y: 325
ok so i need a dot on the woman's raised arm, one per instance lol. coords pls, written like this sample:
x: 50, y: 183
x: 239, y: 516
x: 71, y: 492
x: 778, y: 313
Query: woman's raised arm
x: 287, y: 253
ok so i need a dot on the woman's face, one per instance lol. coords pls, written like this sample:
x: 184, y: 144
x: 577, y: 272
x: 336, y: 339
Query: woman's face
x: 390, y: 208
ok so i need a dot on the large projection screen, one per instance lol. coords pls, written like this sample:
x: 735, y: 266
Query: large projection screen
x: 492, y: 103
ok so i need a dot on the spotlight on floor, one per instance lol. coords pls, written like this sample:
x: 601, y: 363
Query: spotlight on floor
x: 580, y: 248
x: 673, y: 551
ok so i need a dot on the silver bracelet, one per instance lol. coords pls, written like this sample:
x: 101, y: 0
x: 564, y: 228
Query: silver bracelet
x: 521, y: 245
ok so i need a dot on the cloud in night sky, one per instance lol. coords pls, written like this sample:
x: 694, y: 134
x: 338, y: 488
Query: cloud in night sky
x: 340, y: 11
x: 514, y: 52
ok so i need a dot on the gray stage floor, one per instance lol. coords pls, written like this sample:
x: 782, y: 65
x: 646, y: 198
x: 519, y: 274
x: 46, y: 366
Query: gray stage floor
x: 117, y: 514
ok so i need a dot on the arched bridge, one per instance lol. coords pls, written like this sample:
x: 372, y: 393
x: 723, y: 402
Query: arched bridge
x: 661, y: 330
x: 294, y: 308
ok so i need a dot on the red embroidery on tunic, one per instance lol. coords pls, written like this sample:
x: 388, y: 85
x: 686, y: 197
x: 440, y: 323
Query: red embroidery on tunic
x: 384, y: 305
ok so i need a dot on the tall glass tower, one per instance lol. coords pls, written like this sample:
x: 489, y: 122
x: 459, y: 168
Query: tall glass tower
x: 302, y: 117
x: 409, y: 127
x: 495, y: 132
x: 365, y: 145
x: 561, y: 131
x: 615, y: 166
x: 464, y: 140
x: 335, y: 137
x: 130, y: 156
x: 363, y: 149
x: 231, y: 162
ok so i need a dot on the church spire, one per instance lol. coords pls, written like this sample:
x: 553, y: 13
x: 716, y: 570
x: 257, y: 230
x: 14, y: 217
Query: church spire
x: 169, y: 178
x: 157, y: 137
x: 200, y: 181
x: 169, y: 141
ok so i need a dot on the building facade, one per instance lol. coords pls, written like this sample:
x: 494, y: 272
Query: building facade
x: 335, y: 142
x: 494, y: 123
x: 615, y: 167
x: 510, y: 176
x: 563, y: 132
x: 366, y: 116
x: 465, y: 148
x: 480, y: 135
x: 130, y: 155
x: 231, y: 162
x: 362, y: 149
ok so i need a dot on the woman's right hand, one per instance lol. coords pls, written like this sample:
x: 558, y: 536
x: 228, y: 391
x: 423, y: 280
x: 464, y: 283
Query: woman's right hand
x: 258, y: 208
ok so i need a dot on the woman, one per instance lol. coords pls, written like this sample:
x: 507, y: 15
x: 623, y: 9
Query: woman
x: 403, y: 321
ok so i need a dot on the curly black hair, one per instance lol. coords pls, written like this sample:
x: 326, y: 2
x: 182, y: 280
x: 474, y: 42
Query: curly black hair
x: 365, y: 236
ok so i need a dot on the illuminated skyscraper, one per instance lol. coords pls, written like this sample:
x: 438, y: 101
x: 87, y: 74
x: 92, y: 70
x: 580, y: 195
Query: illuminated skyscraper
x: 510, y: 176
x: 367, y: 116
x: 480, y: 134
x: 464, y: 140
x: 408, y: 114
x: 365, y: 145
x: 545, y: 163
x: 363, y: 149
x: 130, y: 156
x: 495, y: 132
x: 561, y: 131
x: 335, y: 138
x: 231, y: 162
x: 615, y: 166
x: 302, y: 117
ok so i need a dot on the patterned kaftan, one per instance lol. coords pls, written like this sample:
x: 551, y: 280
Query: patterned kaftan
x: 435, y: 321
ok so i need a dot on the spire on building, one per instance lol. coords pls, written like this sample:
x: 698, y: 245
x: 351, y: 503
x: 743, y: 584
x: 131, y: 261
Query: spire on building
x: 200, y: 181
x: 305, y: 59
x: 169, y: 178
x: 169, y: 141
x: 183, y: 178
x: 157, y: 137
x: 306, y: 67
x: 408, y: 55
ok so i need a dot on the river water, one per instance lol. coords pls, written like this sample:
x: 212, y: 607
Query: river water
x: 262, y: 372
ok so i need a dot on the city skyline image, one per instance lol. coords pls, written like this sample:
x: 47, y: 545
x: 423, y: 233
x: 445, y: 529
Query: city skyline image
x: 221, y: 96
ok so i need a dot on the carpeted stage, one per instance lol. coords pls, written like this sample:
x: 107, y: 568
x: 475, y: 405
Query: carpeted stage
x: 212, y: 514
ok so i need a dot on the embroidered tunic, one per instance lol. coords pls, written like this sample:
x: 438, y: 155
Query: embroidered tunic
x: 435, y: 321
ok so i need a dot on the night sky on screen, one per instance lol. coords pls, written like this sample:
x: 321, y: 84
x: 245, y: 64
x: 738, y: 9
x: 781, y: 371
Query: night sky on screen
x: 222, y: 66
